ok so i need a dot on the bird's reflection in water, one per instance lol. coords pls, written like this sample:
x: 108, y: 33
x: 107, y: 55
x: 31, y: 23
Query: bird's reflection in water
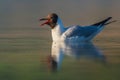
x: 74, y: 49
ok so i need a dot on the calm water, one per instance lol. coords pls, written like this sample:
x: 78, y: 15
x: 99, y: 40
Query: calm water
x: 33, y: 58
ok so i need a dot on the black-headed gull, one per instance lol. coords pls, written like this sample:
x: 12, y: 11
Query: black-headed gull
x: 73, y: 33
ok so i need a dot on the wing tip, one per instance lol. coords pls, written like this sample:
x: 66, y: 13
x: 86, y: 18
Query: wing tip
x: 102, y: 22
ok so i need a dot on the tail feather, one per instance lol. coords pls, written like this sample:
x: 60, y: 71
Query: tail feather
x: 110, y: 22
x: 101, y: 23
x: 100, y: 26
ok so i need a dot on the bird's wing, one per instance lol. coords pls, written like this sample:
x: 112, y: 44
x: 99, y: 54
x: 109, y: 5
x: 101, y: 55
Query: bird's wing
x: 80, y: 31
x: 103, y: 22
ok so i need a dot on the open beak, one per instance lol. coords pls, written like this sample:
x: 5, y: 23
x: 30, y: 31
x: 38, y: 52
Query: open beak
x: 46, y: 21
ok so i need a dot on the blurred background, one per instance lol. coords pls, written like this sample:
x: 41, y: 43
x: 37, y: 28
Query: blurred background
x: 24, y: 44
x: 25, y: 13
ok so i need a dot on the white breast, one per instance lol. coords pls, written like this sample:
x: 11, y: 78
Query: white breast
x: 56, y: 33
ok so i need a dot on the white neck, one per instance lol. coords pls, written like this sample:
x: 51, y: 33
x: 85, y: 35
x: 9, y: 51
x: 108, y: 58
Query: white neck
x: 58, y: 30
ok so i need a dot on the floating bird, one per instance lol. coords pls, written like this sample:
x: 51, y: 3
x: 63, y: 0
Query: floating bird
x: 73, y: 33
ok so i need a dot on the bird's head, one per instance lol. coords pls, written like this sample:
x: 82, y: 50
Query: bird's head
x: 50, y: 20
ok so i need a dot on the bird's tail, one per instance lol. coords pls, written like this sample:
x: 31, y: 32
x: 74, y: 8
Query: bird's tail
x: 103, y: 22
x: 110, y: 22
x: 100, y: 26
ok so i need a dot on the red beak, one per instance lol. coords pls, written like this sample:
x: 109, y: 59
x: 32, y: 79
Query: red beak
x: 46, y: 21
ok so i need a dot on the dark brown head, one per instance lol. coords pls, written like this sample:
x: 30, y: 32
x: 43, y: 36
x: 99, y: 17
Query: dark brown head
x: 50, y: 20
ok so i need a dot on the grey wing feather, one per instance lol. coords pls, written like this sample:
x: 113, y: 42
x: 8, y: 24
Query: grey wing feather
x: 80, y: 31
x: 89, y: 30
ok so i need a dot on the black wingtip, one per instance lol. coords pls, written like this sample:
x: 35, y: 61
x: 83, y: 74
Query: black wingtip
x: 102, y: 22
x: 109, y: 18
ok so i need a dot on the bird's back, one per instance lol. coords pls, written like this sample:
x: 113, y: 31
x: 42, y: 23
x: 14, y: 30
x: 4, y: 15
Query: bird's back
x: 80, y: 32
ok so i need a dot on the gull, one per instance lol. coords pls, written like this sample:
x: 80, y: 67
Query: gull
x: 73, y: 33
